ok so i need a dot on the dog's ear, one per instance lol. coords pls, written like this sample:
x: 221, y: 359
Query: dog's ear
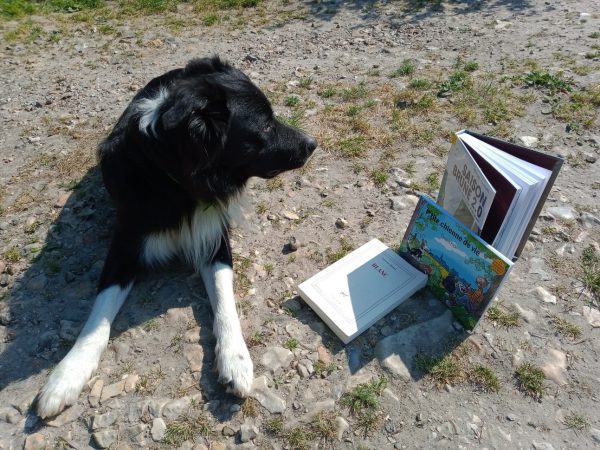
x: 206, y: 105
x: 180, y: 111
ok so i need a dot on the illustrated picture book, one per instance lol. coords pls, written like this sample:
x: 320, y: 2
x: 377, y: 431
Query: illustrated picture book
x: 496, y: 188
x: 461, y: 248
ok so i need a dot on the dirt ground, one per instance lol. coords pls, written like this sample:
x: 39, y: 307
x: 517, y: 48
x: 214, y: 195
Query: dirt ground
x: 382, y: 86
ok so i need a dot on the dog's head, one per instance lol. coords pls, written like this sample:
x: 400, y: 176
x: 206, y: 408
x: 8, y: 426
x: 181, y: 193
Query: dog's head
x: 223, y: 122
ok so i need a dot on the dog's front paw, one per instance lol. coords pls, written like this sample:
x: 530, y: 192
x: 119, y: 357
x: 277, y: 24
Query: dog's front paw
x: 235, y: 366
x: 63, y: 387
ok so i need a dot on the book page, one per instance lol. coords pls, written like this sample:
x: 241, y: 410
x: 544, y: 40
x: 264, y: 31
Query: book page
x: 465, y: 191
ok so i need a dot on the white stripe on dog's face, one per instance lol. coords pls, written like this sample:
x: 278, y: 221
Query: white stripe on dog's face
x: 149, y: 108
x: 68, y: 378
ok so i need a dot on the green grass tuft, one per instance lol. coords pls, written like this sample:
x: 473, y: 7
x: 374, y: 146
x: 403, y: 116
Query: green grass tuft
x: 485, y: 378
x: 530, y: 380
x: 502, y: 317
x: 364, y: 396
x: 576, y: 422
x: 590, y: 271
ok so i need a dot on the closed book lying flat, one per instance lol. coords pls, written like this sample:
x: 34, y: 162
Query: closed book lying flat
x: 362, y: 287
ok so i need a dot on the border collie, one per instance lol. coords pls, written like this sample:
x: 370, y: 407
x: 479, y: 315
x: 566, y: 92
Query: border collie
x: 175, y: 165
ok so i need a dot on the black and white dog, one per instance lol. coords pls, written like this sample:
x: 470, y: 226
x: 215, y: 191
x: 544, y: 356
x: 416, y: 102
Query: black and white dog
x: 175, y: 165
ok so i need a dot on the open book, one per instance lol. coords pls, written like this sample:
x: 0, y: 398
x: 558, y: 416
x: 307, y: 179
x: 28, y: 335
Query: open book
x: 496, y: 188
x: 462, y: 247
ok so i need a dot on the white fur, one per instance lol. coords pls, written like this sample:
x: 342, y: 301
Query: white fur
x: 233, y: 360
x: 148, y: 109
x: 68, y: 378
x: 196, y: 239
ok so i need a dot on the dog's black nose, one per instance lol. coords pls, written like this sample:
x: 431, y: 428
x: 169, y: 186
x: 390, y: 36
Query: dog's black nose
x: 311, y: 144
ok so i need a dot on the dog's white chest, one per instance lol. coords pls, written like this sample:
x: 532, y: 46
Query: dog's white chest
x: 197, y: 239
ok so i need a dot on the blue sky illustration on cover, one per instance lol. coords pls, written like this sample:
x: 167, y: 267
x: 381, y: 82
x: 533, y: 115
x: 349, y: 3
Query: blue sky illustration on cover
x: 462, y: 270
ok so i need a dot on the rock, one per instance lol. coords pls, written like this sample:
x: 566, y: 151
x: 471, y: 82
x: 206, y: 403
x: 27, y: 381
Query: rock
x: 103, y: 420
x: 37, y: 284
x: 112, y: 390
x: 62, y: 199
x: 537, y: 267
x: 589, y: 221
x: 542, y: 446
x: 342, y: 426
x: 562, y: 212
x: 9, y: 415
x: 194, y: 355
x: 177, y: 315
x: 131, y: 382
x: 302, y: 371
x: 67, y: 416
x: 396, y: 352
x: 517, y: 358
x: 592, y: 315
x: 290, y: 215
x: 565, y: 248
x: 271, y: 401
x: 292, y: 244
x: 35, y: 441
x: 341, y: 223
x: 317, y: 407
x: 2, y: 266
x: 544, y: 295
x: 556, y: 368
x: 95, y: 393
x: 105, y: 438
x: 121, y: 350
x: 528, y: 315
x: 228, y: 431
x: 175, y: 408
x: 276, y: 357
x: 589, y: 158
x: 155, y: 407
x: 248, y: 432
x: 324, y: 355
x: 595, y: 434
x: 217, y: 446
x: 159, y: 428
x: 307, y: 363
x: 528, y: 141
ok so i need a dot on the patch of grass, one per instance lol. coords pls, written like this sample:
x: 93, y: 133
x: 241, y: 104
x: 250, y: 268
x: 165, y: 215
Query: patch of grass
x: 590, y: 270
x: 211, y: 19
x: 471, y: 66
x: 293, y: 120
x: 364, y: 396
x: 261, y: 207
x: 324, y: 427
x: 269, y: 268
x: 345, y: 247
x: 250, y: 408
x: 291, y: 100
x: 353, y: 110
x: 16, y: 8
x: 32, y: 228
x: 186, y: 429
x: 274, y: 184
x: 369, y: 421
x: 506, y: 318
x: 547, y: 81
x: 565, y: 327
x: 298, y: 438
x: 25, y: 32
x: 406, y: 68
x: 320, y: 367
x: 457, y: 81
x: 442, y: 370
x: 148, y: 383
x: 409, y: 168
x: 327, y: 92
x: 151, y: 324
x: 357, y: 92
x: 291, y: 344
x: 379, y: 177
x: 420, y: 84
x: 305, y: 82
x: 257, y: 338
x: 12, y: 255
x: 352, y: 147
x: 433, y: 182
x: 485, y: 378
x: 595, y: 35
x: 530, y: 380
x: 275, y: 425
x: 576, y: 422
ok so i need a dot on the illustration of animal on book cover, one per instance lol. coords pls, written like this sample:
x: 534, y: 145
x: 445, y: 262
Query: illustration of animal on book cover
x: 463, y: 271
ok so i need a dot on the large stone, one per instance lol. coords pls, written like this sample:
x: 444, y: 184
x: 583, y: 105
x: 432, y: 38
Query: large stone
x: 105, y: 438
x: 159, y: 428
x: 131, y: 382
x: 341, y: 426
x: 173, y: 409
x: 592, y: 315
x: 556, y: 368
x: 397, y: 352
x: 112, y: 390
x: 544, y: 295
x: 562, y: 212
x: 194, y: 355
x: 248, y: 432
x: 9, y: 415
x: 266, y: 397
x: 103, y: 420
x: 67, y: 416
x: 276, y: 357
x: 95, y: 393
x: 35, y: 441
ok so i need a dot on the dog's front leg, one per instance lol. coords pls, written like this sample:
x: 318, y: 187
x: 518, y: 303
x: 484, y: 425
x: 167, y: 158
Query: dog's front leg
x: 232, y: 357
x: 67, y: 379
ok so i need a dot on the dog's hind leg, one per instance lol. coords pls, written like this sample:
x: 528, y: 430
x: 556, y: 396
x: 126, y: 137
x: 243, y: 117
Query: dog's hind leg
x: 232, y: 358
x: 69, y: 377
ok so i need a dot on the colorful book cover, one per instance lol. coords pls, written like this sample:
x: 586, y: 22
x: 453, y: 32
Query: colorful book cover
x: 463, y: 271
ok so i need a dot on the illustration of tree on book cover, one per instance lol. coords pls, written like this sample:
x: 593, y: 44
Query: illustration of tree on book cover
x: 463, y: 271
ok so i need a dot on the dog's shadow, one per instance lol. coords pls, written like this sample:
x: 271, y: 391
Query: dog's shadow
x: 45, y: 306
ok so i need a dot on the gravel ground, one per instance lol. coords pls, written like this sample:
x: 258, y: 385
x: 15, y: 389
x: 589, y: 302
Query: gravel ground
x: 345, y: 64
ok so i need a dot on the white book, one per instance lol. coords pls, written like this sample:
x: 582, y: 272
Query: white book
x: 362, y: 287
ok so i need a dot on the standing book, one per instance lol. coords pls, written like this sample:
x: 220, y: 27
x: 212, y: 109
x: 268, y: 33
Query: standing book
x: 497, y: 188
